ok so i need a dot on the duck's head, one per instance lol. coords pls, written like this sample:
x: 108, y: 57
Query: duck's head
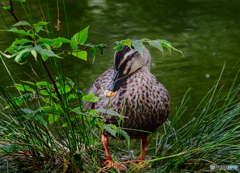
x: 126, y: 62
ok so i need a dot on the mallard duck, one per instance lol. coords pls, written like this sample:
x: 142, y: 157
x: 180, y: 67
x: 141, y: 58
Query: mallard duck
x: 131, y: 84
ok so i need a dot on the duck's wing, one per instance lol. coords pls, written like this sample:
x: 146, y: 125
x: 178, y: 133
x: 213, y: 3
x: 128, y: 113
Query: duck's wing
x: 100, y: 84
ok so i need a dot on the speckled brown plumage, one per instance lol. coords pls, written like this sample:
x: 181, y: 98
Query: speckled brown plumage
x: 147, y: 102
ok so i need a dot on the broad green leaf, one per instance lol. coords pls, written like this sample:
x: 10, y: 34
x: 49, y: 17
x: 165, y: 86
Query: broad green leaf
x: 43, y: 83
x: 90, y: 98
x: 67, y: 88
x: 138, y: 45
x: 22, y: 54
x: 40, y: 118
x: 92, y: 141
x: 79, y: 38
x: 81, y: 54
x: 28, y: 111
x: 119, y: 47
x: 34, y: 53
x: 110, y: 112
x: 61, y: 39
x: 72, y: 96
x: 28, y: 82
x: 169, y: 46
x: 57, y: 44
x: 41, y: 23
x: 110, y: 130
x: 17, y: 101
x: 46, y: 40
x: 45, y: 52
x: 48, y: 108
x: 156, y: 44
x: 127, y: 42
x: 21, y: 23
x: 64, y: 125
x: 77, y: 110
x: 15, y: 30
x: 6, y: 7
x: 53, y: 118
x: 23, y: 87
x: 45, y: 58
x: 44, y: 92
x: 124, y: 134
x: 70, y: 81
x: 59, y: 111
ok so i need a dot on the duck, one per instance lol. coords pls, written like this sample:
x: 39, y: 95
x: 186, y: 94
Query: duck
x: 129, y: 84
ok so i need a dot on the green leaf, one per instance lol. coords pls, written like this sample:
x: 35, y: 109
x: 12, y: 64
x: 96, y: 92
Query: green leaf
x: 15, y: 30
x: 90, y: 98
x: 22, y: 54
x: 169, y: 46
x: 67, y: 88
x: 81, y: 54
x: 6, y: 7
x: 77, y: 110
x: 53, y: 118
x: 21, y: 23
x: 43, y: 83
x: 45, y: 52
x: 72, y: 96
x: 23, y: 87
x: 34, y: 53
x: 41, y: 23
x: 44, y: 92
x: 28, y: 82
x: 156, y: 44
x: 119, y: 47
x: 138, y: 45
x: 127, y: 42
x: 40, y: 118
x: 79, y: 38
x: 110, y: 130
x: 48, y: 108
x: 110, y: 112
x: 70, y: 81
x: 57, y: 44
x: 64, y: 125
x: 124, y: 134
x: 28, y: 111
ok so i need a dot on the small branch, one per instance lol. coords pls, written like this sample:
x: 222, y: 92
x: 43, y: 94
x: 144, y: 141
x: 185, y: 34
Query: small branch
x: 11, y: 4
x: 80, y: 49
x: 53, y: 82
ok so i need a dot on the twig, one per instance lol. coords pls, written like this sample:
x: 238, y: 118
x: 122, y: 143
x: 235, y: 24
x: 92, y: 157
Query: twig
x: 80, y: 49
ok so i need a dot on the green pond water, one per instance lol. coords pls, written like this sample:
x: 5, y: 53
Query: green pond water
x: 207, y: 32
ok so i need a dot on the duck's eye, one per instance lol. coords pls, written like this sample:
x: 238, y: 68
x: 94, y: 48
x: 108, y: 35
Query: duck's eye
x: 129, y: 57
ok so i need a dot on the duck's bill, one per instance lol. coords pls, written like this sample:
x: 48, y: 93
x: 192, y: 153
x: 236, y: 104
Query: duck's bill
x: 108, y: 93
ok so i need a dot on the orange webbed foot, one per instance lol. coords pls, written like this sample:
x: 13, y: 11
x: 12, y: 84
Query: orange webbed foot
x: 139, y: 164
x: 116, y: 165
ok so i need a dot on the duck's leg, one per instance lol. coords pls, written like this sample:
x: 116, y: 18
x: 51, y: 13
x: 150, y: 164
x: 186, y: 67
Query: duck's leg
x: 140, y: 158
x: 144, y: 144
x: 105, y: 144
x: 109, y: 161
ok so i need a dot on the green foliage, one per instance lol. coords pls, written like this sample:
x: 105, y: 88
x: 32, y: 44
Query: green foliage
x: 79, y: 38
